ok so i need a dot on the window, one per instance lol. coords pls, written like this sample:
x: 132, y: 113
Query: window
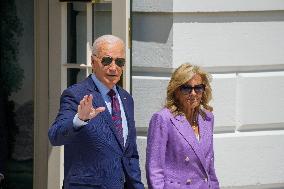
x: 86, y: 22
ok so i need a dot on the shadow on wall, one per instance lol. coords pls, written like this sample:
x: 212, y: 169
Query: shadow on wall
x: 152, y: 27
x: 229, y: 17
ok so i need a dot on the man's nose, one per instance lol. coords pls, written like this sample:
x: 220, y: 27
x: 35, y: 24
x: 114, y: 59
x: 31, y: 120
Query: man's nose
x: 112, y: 65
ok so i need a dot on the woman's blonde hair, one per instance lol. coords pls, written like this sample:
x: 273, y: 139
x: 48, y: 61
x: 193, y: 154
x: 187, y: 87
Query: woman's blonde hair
x: 181, y: 76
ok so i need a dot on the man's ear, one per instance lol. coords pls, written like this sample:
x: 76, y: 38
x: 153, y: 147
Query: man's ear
x: 93, y: 61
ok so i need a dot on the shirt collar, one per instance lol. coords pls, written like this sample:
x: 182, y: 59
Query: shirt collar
x: 102, y: 88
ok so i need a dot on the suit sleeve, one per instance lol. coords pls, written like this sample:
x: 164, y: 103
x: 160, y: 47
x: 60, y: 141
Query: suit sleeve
x: 156, y: 151
x: 212, y: 174
x: 62, y: 130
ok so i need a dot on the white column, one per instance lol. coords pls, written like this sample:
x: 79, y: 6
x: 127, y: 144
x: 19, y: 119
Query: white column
x: 120, y: 28
x: 89, y: 37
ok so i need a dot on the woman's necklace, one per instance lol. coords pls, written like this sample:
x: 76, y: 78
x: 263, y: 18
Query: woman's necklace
x: 195, y: 126
x: 194, y: 123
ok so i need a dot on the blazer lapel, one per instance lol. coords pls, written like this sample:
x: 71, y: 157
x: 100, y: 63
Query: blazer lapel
x: 205, y: 132
x: 183, y: 126
x: 98, y: 101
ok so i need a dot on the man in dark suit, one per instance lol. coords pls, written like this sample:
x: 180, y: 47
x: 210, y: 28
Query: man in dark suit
x: 96, y: 125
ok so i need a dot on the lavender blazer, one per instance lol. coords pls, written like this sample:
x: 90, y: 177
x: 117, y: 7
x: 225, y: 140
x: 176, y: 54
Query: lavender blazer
x: 175, y: 158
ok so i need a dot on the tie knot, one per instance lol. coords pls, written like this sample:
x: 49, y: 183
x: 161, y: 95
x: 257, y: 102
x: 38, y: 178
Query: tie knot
x: 111, y: 93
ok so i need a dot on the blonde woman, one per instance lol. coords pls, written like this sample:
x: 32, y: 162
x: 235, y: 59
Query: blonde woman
x: 180, y: 136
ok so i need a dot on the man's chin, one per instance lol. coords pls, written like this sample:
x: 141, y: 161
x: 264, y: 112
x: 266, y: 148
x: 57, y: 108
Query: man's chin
x: 113, y: 78
x: 112, y: 81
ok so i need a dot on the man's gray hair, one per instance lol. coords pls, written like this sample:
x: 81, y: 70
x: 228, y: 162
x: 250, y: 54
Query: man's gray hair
x: 111, y: 39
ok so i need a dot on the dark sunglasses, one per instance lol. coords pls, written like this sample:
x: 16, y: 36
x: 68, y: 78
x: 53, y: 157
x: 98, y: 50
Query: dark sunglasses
x: 187, y: 89
x: 107, y: 60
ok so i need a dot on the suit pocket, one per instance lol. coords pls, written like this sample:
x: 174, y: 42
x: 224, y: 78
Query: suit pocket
x: 84, y: 182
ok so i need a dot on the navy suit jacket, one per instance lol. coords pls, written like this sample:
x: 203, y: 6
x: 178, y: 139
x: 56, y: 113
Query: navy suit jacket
x: 94, y: 158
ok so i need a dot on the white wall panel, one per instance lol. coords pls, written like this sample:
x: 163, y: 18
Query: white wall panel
x: 206, y: 5
x: 250, y: 159
x: 152, y: 40
x: 225, y: 5
x: 261, y: 100
x: 224, y: 101
x: 141, y: 144
x: 149, y: 96
x: 151, y: 54
x: 222, y: 39
x: 152, y: 5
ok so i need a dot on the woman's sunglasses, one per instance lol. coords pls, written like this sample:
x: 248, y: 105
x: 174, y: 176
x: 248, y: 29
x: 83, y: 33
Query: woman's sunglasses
x: 187, y: 89
x: 107, y: 60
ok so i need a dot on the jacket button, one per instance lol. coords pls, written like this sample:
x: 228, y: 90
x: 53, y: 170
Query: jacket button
x: 187, y: 159
x: 205, y: 179
x: 188, y: 181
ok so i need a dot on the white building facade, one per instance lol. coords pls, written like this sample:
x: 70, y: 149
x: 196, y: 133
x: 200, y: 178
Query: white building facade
x: 241, y: 43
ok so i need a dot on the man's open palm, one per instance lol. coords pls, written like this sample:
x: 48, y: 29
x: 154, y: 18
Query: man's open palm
x: 86, y: 110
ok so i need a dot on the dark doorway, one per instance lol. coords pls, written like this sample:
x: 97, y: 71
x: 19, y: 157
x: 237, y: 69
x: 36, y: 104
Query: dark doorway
x: 17, y: 94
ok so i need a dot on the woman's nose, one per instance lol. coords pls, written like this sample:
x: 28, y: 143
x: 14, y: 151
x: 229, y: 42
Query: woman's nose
x: 192, y: 92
